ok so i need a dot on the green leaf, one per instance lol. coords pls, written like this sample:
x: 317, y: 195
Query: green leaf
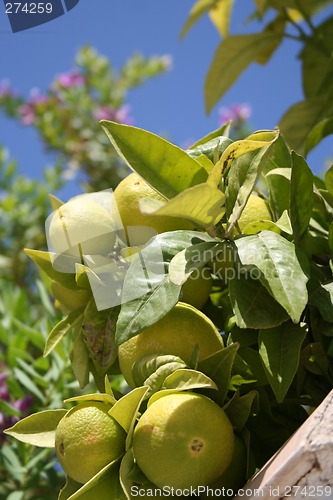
x: 153, y: 369
x: 253, y: 306
x: 125, y: 411
x: 278, y: 181
x: 318, y: 133
x: 316, y: 69
x: 126, y: 468
x: 218, y: 367
x: 216, y: 134
x: 198, y: 10
x: 329, y: 179
x: 79, y: 357
x: 62, y: 329
x: 37, y: 429
x: 279, y: 349
x: 280, y: 270
x: 321, y: 291
x: 104, y: 398
x: 301, y: 195
x: 69, y: 489
x: 105, y: 484
x: 245, y: 172
x: 44, y: 262
x: 191, y: 258
x: 232, y: 57
x: 202, y: 204
x: 239, y: 409
x: 187, y: 379
x: 220, y: 16
x: 55, y: 202
x: 28, y: 383
x: 148, y: 278
x: 255, y: 141
x: 297, y: 123
x: 212, y: 148
x: 164, y: 166
x: 314, y: 359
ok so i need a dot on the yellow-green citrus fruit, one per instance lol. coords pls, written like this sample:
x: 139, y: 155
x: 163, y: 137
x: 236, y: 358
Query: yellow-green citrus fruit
x: 234, y: 477
x: 183, y: 440
x: 176, y: 333
x: 87, y: 439
x: 255, y: 210
x: 197, y: 288
x: 69, y: 300
x: 127, y: 195
x: 84, y: 225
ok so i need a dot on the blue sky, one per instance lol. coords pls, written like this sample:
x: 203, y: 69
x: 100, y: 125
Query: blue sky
x: 172, y: 103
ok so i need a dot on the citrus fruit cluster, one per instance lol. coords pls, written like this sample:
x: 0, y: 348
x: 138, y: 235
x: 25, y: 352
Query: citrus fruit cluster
x: 182, y: 439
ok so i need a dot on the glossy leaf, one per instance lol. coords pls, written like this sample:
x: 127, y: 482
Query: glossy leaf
x: 62, y: 329
x: 232, y: 57
x: 280, y: 270
x: 239, y: 409
x: 79, y: 357
x: 247, y: 297
x: 301, y: 195
x: 278, y: 181
x: 155, y: 293
x: 125, y: 410
x: 279, y: 349
x: 191, y: 258
x: 202, y: 204
x: 127, y: 466
x: 218, y: 367
x: 105, y: 482
x: 152, y: 370
x: 244, y: 174
x: 213, y: 148
x: 164, y: 166
x: 104, y: 398
x: 255, y: 141
x: 186, y: 379
x: 37, y: 429
x: 321, y: 291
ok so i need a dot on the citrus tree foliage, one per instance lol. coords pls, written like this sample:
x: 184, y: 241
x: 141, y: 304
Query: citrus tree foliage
x: 307, y: 122
x: 271, y: 298
x: 66, y: 116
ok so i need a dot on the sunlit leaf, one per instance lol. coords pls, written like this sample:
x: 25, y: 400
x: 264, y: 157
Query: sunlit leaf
x: 202, y: 204
x: 166, y: 167
x: 38, y: 429
x: 232, y: 57
x: 280, y: 270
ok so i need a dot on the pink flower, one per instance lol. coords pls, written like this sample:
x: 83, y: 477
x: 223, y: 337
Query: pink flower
x: 238, y: 113
x: 28, y: 110
x: 71, y: 79
x: 120, y: 115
